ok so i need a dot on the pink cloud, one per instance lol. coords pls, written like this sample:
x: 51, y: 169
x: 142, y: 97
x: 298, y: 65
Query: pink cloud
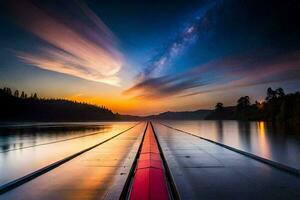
x: 85, y: 50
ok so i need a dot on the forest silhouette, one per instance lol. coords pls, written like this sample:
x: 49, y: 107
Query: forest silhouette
x: 277, y: 107
x: 17, y: 106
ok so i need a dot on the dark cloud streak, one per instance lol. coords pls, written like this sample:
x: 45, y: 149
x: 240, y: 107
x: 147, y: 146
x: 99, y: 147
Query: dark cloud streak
x: 254, y: 68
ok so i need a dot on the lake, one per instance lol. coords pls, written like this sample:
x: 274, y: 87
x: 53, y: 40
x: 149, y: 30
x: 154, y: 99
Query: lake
x: 260, y: 138
x: 27, y: 147
x: 24, y: 148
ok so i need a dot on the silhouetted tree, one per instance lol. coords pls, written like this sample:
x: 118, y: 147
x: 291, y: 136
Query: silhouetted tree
x: 33, y: 96
x: 219, y: 106
x: 243, y: 108
x: 23, y: 95
x: 271, y: 94
x: 243, y: 102
x: 257, y: 104
x: 7, y: 91
x: 16, y: 94
x: 279, y: 92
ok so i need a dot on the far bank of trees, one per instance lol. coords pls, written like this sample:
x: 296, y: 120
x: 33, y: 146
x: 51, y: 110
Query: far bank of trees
x: 18, y: 106
x: 277, y: 107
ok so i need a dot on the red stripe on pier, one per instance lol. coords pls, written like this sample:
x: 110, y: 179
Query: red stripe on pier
x: 149, y: 180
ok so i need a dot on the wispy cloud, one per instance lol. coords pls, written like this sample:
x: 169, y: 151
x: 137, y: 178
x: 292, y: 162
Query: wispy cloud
x: 79, y: 45
x: 163, y: 87
x: 260, y: 67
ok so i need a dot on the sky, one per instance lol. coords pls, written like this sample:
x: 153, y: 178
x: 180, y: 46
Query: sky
x: 147, y: 57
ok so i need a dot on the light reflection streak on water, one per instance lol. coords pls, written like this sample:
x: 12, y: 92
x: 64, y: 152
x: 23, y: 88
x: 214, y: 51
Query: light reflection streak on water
x: 263, y: 142
x: 260, y: 138
x: 17, y: 163
x: 19, y: 144
x: 102, y: 167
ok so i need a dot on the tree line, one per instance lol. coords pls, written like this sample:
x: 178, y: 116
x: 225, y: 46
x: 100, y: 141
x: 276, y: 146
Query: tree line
x: 23, y: 95
x: 18, y: 106
x: 277, y: 107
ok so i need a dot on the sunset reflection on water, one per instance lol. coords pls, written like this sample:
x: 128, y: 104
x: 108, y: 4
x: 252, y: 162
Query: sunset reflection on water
x: 36, y: 149
x: 260, y: 138
x: 263, y: 142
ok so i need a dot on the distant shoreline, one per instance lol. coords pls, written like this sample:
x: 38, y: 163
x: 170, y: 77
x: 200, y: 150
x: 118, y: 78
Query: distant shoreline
x: 19, y: 108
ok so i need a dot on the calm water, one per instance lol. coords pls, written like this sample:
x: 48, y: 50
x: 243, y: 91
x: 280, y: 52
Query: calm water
x: 259, y: 138
x: 25, y: 148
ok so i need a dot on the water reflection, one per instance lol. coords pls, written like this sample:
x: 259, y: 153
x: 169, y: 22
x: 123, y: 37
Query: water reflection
x: 15, y: 138
x: 28, y: 149
x: 261, y: 138
x: 244, y: 133
x: 220, y: 130
x: 263, y: 142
